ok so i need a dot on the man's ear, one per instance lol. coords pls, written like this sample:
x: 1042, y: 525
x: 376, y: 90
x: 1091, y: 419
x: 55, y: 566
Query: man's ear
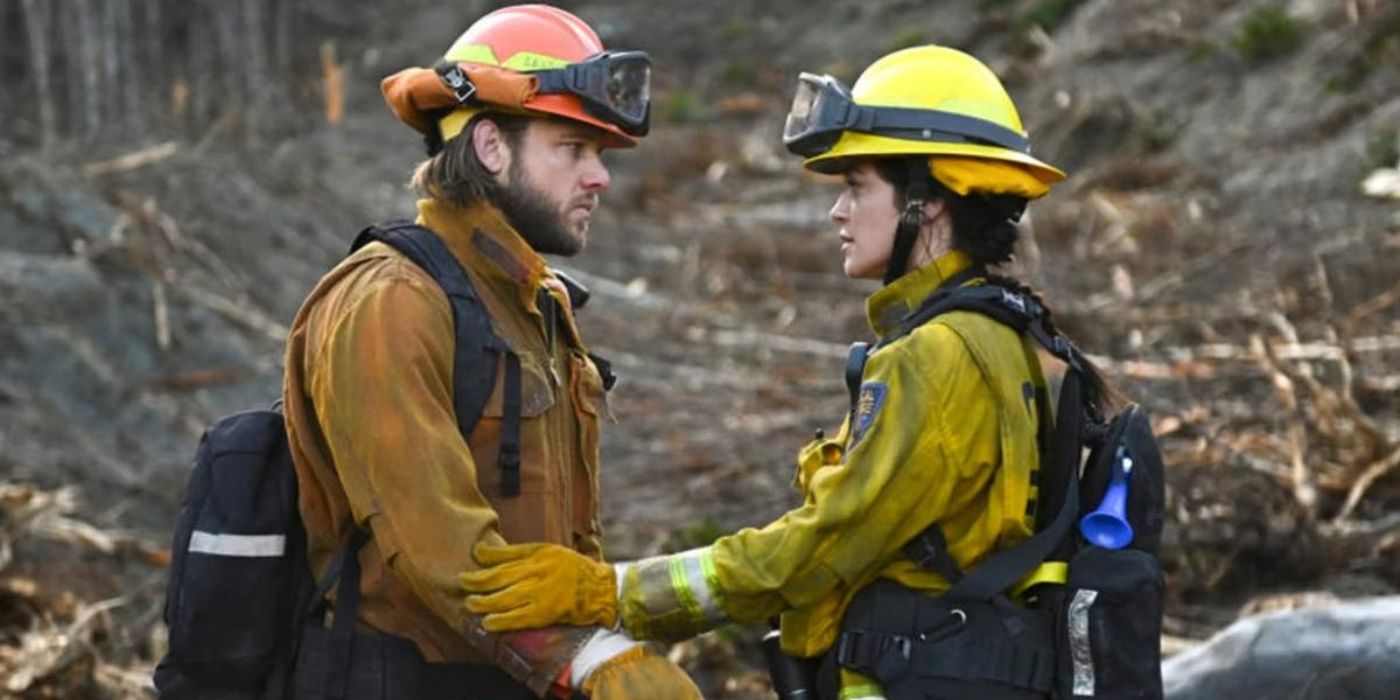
x: 489, y: 144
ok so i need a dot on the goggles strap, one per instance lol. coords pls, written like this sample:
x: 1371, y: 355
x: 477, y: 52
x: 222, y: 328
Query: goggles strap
x: 916, y: 195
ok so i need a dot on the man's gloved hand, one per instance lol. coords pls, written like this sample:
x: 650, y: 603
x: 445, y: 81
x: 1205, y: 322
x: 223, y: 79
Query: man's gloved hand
x: 539, y: 585
x: 638, y: 673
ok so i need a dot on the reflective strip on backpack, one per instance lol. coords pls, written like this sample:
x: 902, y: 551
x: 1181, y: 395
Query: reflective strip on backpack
x: 238, y: 545
x: 1081, y: 651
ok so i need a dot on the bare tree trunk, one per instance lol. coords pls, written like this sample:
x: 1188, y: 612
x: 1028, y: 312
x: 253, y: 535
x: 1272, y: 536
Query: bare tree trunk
x: 154, y: 77
x: 255, y: 65
x: 133, y: 106
x: 227, y: 23
x: 201, y: 63
x: 117, y: 66
x: 89, y: 70
x: 36, y: 25
x: 71, y: 79
x: 282, y: 37
x: 111, y: 65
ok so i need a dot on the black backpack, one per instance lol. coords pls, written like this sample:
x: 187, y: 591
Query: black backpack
x: 1098, y: 635
x: 240, y: 586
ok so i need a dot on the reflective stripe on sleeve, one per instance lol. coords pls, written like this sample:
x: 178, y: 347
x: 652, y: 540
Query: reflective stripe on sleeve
x: 693, y: 577
x: 674, y: 596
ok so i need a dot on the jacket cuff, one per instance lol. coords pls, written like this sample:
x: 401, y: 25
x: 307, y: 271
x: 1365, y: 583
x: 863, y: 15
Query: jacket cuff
x: 671, y: 597
x: 602, y: 647
x: 534, y: 657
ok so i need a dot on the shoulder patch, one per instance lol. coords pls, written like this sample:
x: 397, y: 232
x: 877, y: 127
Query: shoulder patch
x: 871, y: 399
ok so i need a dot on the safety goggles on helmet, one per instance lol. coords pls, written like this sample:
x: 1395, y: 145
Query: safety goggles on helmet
x: 823, y: 108
x: 614, y: 86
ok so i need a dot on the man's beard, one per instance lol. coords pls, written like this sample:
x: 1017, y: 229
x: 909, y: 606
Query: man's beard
x: 534, y: 217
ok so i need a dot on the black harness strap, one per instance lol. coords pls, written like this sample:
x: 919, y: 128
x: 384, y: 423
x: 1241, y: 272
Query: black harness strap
x: 605, y: 371
x: 929, y: 549
x: 1006, y: 567
x: 347, y: 605
x: 1060, y: 468
x: 855, y: 373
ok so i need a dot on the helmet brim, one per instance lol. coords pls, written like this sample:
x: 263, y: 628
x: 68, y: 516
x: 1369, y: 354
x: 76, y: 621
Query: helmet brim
x: 569, y: 107
x: 855, y: 146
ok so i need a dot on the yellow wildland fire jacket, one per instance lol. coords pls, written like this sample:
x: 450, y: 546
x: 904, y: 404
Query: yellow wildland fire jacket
x: 944, y: 430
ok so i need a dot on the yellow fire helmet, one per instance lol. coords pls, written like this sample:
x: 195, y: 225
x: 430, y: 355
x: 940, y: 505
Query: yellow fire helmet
x: 930, y: 100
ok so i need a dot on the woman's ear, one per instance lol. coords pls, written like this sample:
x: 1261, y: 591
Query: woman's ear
x: 936, y: 233
x: 933, y: 209
x: 489, y: 144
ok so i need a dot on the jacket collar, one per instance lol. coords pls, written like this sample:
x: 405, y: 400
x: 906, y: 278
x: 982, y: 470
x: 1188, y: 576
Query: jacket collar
x: 484, y: 241
x: 887, y: 307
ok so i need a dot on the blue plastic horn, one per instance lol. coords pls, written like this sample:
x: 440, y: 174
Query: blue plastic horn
x: 1107, y: 526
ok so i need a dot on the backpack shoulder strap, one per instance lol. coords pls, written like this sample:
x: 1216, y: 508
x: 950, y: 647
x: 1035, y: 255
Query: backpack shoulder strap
x: 1008, y: 566
x: 477, y: 344
x: 1007, y: 306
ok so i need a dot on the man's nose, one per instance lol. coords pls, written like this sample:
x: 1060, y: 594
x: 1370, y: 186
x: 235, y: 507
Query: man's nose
x: 595, y: 176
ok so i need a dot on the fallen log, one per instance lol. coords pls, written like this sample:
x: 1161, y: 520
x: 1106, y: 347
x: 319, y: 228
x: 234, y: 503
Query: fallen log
x: 1347, y: 650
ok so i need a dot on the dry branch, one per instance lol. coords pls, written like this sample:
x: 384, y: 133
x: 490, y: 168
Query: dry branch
x: 49, y: 649
x: 151, y: 215
x: 1304, y: 490
x: 242, y: 313
x: 162, y: 314
x: 28, y: 511
x: 771, y: 341
x: 1363, y: 483
x: 131, y: 161
x: 1366, y: 309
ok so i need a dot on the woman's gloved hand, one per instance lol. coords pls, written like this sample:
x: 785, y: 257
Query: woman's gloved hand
x: 525, y: 586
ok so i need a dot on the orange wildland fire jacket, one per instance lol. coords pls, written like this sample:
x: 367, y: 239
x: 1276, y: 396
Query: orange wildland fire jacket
x: 369, y: 408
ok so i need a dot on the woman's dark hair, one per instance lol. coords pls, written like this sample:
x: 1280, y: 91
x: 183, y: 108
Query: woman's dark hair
x: 453, y: 173
x: 984, y: 227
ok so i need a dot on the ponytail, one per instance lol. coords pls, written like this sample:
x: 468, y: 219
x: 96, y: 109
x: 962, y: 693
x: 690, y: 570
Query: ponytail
x: 985, y: 227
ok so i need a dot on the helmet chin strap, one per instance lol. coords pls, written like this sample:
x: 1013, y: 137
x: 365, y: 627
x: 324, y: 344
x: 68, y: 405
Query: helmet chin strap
x: 916, y: 195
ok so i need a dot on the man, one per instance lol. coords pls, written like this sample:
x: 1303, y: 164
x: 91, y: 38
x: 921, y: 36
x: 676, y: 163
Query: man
x: 515, y: 117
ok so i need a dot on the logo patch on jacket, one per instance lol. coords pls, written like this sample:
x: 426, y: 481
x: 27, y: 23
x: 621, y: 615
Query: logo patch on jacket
x: 868, y: 404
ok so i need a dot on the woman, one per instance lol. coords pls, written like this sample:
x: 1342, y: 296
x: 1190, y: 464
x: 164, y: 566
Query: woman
x: 944, y: 424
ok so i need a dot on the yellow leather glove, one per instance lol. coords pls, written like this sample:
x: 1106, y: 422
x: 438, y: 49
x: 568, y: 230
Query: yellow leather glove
x: 636, y: 674
x: 525, y: 586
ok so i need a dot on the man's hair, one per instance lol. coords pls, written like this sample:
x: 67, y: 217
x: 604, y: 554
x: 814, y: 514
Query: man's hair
x: 456, y: 176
